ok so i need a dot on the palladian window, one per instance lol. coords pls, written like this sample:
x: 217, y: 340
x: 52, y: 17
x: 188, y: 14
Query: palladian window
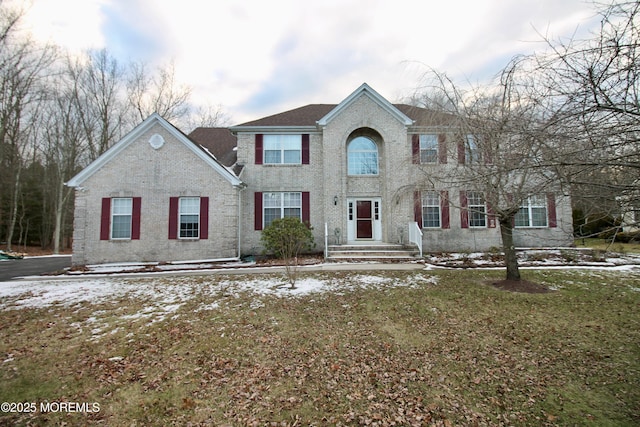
x: 362, y: 154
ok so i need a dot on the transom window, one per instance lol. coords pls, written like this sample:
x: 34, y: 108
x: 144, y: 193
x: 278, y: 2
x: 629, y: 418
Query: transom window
x: 477, y: 209
x: 282, y: 149
x: 362, y: 154
x: 189, y: 212
x: 430, y: 209
x: 121, y: 214
x: 280, y: 205
x: 532, y: 212
x: 428, y: 148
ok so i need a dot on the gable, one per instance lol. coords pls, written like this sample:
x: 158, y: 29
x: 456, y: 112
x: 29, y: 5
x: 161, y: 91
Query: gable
x: 156, y: 141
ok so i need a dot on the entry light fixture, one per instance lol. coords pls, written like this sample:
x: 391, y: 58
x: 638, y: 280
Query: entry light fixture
x: 335, y: 200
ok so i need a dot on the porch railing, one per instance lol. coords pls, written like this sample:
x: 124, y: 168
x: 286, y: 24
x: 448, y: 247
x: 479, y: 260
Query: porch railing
x: 415, y: 236
x: 326, y: 241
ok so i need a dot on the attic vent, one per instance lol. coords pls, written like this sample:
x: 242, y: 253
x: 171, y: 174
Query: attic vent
x: 156, y: 141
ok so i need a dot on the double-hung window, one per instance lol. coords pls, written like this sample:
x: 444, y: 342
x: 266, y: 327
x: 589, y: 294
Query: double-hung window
x: 472, y: 153
x: 280, y: 205
x: 121, y: 215
x: 431, y: 209
x: 532, y: 212
x: 428, y: 148
x: 282, y: 149
x: 477, y: 209
x: 189, y: 213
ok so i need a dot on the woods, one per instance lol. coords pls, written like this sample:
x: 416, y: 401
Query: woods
x: 59, y: 112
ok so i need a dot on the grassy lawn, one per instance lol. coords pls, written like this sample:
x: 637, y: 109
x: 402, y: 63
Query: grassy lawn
x: 444, y: 349
x: 602, y: 245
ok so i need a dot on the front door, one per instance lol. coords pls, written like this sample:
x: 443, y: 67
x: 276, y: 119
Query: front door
x: 363, y: 220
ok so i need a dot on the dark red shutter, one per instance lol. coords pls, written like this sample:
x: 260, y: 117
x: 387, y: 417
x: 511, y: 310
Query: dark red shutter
x: 135, y: 218
x: 257, y: 209
x: 204, y: 218
x: 306, y: 208
x: 464, y: 212
x: 442, y: 149
x: 417, y: 208
x: 461, y: 152
x: 305, y: 149
x: 551, y: 210
x: 415, y: 149
x: 173, y: 217
x: 105, y: 219
x: 258, y: 149
x: 444, y: 209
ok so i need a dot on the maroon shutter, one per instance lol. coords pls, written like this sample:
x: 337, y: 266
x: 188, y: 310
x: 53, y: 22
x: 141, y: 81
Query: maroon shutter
x: 306, y: 211
x: 415, y: 149
x: 442, y: 149
x: 173, y: 217
x: 257, y: 197
x: 258, y: 149
x: 491, y: 217
x: 105, y: 219
x: 464, y: 212
x: 305, y: 149
x: 551, y: 210
x: 135, y: 218
x: 444, y: 209
x: 204, y: 218
x: 417, y: 208
x: 461, y: 152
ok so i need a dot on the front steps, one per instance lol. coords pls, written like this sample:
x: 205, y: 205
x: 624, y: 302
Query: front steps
x: 373, y: 252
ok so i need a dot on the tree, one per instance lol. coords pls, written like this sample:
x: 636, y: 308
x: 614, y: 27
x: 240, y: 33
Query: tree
x: 286, y: 238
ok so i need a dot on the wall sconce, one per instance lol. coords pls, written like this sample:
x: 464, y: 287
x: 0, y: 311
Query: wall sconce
x: 335, y: 200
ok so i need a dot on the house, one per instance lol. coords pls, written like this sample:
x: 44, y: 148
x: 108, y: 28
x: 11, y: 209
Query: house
x: 350, y: 170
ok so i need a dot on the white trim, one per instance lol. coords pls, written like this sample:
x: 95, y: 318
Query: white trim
x: 366, y: 90
x: 132, y: 136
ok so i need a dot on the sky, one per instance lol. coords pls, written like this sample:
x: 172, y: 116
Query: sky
x: 258, y: 57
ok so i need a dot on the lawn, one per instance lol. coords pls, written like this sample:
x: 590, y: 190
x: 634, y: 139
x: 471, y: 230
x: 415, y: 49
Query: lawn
x: 438, y: 347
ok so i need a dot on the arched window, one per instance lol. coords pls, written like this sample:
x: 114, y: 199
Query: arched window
x: 362, y: 157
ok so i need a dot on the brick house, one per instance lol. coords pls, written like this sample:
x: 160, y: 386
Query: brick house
x: 350, y: 170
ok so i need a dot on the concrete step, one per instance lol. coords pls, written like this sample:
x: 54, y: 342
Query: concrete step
x: 371, y: 252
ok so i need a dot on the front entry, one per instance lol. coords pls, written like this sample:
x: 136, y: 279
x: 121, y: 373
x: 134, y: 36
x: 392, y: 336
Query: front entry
x: 363, y: 220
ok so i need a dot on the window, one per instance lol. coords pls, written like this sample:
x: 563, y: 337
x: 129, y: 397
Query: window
x: 472, y: 154
x: 430, y: 209
x: 282, y: 149
x: 428, y: 148
x: 362, y: 155
x: 532, y: 212
x: 121, y: 214
x: 280, y: 205
x: 189, y: 212
x: 477, y: 209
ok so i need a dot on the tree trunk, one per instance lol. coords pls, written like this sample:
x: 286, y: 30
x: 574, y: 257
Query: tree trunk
x: 510, y: 258
x: 13, y: 216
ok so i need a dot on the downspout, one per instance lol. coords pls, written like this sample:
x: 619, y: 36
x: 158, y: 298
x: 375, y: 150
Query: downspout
x: 241, y: 188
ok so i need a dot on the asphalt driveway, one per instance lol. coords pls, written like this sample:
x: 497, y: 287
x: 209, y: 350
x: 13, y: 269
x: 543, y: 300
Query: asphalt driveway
x: 15, y: 268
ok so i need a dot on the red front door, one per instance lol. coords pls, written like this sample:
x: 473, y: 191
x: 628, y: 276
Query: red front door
x: 364, y: 220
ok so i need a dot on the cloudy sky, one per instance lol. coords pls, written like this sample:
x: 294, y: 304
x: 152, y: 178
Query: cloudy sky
x: 260, y: 57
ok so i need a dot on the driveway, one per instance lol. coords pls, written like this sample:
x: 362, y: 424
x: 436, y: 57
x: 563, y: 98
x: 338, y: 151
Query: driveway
x: 14, y: 268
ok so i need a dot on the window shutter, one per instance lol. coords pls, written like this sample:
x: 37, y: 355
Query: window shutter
x: 442, y: 149
x: 464, y: 212
x: 444, y: 209
x: 173, y: 217
x: 415, y: 149
x: 257, y: 197
x: 105, y: 219
x: 461, y: 152
x: 204, y: 218
x: 305, y: 149
x: 135, y: 218
x: 417, y: 208
x: 306, y: 211
x: 258, y: 149
x: 551, y: 210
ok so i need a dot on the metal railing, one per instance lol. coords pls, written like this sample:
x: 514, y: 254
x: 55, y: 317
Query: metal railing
x: 415, y: 236
x: 326, y: 241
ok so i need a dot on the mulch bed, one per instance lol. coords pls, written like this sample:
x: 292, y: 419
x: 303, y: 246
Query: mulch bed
x: 523, y: 286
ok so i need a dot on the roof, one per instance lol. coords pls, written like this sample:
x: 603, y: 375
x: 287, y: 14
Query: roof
x: 131, y: 137
x: 218, y: 141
